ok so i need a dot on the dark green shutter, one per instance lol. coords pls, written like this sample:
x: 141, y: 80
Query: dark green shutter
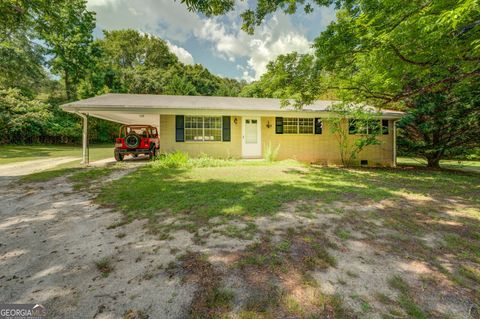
x: 352, y: 126
x: 179, y: 128
x: 318, y: 125
x: 385, y: 127
x: 279, y: 125
x: 226, y: 128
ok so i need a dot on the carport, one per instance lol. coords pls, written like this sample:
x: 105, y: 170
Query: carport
x: 119, y: 108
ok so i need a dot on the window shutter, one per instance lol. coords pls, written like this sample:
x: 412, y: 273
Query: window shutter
x: 179, y: 128
x: 318, y: 125
x: 352, y: 126
x: 279, y: 125
x: 385, y: 127
x: 226, y: 128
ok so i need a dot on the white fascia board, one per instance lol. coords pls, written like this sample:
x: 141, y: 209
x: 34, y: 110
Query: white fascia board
x: 184, y: 111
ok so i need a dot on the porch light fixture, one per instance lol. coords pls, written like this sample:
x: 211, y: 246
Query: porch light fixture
x: 235, y: 121
x: 268, y: 124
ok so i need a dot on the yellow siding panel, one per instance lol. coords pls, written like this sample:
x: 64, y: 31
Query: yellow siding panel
x: 322, y: 148
x: 215, y: 149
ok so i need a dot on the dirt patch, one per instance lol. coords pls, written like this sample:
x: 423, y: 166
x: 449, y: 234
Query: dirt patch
x: 52, y: 240
x: 330, y: 260
x: 29, y: 167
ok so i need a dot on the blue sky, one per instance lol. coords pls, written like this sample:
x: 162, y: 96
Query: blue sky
x: 218, y: 43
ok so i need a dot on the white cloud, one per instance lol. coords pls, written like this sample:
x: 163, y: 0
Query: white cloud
x: 165, y: 18
x: 171, y: 21
x: 182, y: 54
x: 277, y: 36
x: 94, y: 3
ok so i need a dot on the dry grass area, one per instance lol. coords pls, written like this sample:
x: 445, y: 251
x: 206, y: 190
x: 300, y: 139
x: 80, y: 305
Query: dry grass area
x: 246, y: 240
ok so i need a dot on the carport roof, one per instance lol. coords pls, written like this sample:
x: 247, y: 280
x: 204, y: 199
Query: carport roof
x: 146, y: 103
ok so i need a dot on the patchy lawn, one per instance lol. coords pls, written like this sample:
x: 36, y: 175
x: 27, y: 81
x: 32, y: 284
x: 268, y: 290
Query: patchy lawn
x: 20, y: 153
x: 211, y: 238
x: 465, y: 165
x: 320, y: 241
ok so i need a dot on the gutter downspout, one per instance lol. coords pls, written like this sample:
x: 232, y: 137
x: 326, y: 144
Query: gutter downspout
x: 85, y: 150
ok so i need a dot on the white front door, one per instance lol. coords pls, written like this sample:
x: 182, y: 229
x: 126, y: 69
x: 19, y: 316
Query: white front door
x: 251, y: 140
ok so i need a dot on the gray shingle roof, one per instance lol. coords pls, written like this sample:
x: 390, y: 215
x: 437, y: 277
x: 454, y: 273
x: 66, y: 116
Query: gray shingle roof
x: 139, y: 102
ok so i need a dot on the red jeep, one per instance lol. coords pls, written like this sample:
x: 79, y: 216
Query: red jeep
x: 137, y: 139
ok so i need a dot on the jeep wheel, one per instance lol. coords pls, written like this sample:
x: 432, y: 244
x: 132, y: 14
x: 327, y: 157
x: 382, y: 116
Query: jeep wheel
x: 118, y: 157
x: 132, y: 140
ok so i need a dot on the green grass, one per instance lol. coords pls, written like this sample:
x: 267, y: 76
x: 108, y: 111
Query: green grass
x: 405, y: 299
x: 15, y: 153
x: 450, y: 164
x: 81, y: 177
x: 47, y: 175
x: 84, y: 178
x: 104, y: 266
x: 197, y: 190
x: 20, y: 153
x: 260, y: 188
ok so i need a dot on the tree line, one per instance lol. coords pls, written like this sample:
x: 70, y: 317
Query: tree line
x: 48, y: 56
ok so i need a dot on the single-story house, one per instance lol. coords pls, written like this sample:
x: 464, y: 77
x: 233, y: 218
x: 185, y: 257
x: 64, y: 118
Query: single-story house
x: 238, y: 127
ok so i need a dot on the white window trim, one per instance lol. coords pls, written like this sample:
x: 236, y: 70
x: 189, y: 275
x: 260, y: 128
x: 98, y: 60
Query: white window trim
x: 203, y: 129
x: 298, y: 126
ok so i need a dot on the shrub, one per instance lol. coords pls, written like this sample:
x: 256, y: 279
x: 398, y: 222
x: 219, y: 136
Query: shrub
x: 208, y: 161
x: 270, y: 154
x: 173, y: 160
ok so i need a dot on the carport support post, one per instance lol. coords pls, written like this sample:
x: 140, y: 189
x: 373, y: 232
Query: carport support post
x: 394, y: 144
x: 85, y: 153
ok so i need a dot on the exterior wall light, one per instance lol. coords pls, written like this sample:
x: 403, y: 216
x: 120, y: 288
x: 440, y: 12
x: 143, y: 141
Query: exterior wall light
x: 235, y: 121
x: 268, y: 124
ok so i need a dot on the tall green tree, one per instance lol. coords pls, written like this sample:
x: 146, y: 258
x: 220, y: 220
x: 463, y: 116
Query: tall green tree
x: 289, y: 76
x: 410, y: 55
x: 21, y: 58
x: 128, y: 61
x: 67, y: 33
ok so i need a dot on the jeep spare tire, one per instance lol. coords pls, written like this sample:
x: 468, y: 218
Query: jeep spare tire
x: 132, y: 140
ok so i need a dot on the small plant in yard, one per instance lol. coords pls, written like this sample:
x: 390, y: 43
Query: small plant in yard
x: 172, y: 160
x: 105, y: 267
x: 353, y: 119
x: 270, y: 154
x: 343, y: 234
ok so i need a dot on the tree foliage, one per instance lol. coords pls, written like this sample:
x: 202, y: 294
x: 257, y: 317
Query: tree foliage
x: 419, y: 56
x: 45, y: 37
x: 367, y: 129
x: 290, y: 76
x: 67, y: 34
x: 127, y: 61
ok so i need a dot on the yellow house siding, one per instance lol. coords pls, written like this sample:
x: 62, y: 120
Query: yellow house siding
x: 215, y: 149
x: 323, y: 148
x: 313, y: 148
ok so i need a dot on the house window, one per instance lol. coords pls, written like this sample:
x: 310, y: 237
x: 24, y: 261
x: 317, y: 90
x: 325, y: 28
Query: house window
x: 356, y: 126
x: 203, y: 128
x: 293, y: 125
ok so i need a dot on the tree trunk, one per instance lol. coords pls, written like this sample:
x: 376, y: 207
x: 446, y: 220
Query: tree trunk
x: 67, y: 87
x: 433, y: 161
